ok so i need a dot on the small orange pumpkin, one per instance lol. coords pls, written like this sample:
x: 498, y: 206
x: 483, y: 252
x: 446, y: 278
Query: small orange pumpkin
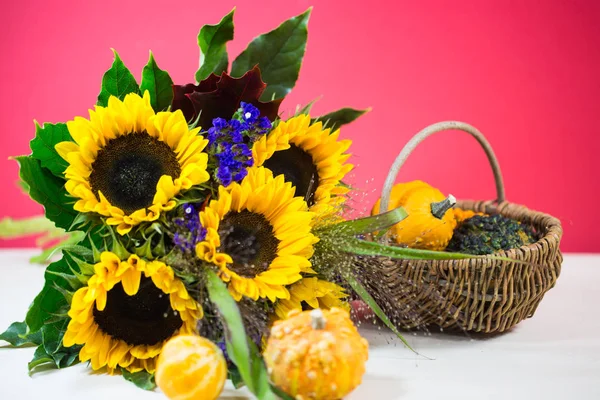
x: 430, y: 222
x: 460, y: 215
x: 316, y: 354
x: 191, y: 367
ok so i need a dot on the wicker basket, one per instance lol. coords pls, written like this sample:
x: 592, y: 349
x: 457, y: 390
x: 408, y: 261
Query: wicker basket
x: 479, y: 294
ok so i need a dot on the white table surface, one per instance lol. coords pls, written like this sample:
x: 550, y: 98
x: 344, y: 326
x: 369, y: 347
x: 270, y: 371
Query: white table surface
x: 555, y: 355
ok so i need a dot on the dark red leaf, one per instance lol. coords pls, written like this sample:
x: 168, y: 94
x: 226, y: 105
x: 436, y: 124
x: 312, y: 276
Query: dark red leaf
x: 221, y: 96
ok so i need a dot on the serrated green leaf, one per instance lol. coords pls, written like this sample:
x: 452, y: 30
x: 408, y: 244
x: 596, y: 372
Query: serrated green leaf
x: 158, y: 83
x: 40, y: 357
x: 370, y: 301
x: 141, y: 379
x: 79, y: 250
x: 42, y: 146
x: 17, y: 335
x: 71, y: 358
x: 52, y: 335
x: 279, y: 55
x: 368, y: 224
x: 48, y: 190
x: 66, y: 294
x: 118, y: 81
x: 340, y: 117
x: 62, y: 357
x: 212, y: 40
x: 49, y: 301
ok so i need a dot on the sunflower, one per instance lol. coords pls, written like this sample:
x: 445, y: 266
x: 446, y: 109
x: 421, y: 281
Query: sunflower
x: 126, y: 313
x: 127, y: 163
x: 313, y: 292
x: 312, y: 158
x: 259, y: 235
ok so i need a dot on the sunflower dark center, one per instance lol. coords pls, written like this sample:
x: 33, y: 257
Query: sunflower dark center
x: 298, y: 168
x: 249, y: 239
x: 144, y: 318
x: 128, y: 168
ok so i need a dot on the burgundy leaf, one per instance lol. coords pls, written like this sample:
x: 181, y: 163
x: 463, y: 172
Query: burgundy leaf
x: 221, y: 96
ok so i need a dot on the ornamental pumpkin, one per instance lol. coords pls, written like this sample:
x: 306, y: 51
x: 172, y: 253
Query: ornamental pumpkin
x: 461, y: 215
x: 430, y: 221
x: 316, y: 354
x: 191, y: 367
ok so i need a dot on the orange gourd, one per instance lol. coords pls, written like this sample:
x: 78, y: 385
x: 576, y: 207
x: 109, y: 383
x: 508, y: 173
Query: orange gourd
x: 316, y: 354
x: 191, y: 367
x: 460, y: 215
x: 430, y: 222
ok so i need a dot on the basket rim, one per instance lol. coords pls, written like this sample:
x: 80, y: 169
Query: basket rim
x: 552, y: 227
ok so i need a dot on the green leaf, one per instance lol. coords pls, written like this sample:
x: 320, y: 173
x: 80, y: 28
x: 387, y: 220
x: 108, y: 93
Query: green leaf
x: 48, y: 190
x: 69, y: 239
x: 280, y: 393
x: 370, y: 301
x: 368, y: 224
x: 212, y: 40
x: 234, y: 375
x: 71, y: 358
x: 17, y: 335
x: 278, y: 54
x: 62, y: 357
x: 117, y: 81
x: 40, y: 357
x: 306, y: 109
x: 141, y: 379
x: 15, y: 228
x: 49, y: 301
x: 367, y: 248
x: 158, y: 83
x: 79, y: 250
x: 52, y: 335
x: 260, y: 375
x: 236, y: 341
x: 242, y: 352
x: 42, y: 146
x: 340, y: 117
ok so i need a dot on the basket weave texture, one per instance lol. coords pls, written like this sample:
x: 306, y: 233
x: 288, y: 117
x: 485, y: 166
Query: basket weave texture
x: 479, y: 294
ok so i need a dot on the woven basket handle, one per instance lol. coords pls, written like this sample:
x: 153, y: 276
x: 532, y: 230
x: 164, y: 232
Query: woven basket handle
x: 430, y: 130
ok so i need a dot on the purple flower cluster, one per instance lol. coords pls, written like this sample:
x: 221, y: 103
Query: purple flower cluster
x: 190, y: 231
x: 230, y: 142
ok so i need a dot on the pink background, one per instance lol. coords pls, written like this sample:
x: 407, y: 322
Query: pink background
x: 526, y: 73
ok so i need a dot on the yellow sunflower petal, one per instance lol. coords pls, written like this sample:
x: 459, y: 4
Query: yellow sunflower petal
x: 122, y: 121
x: 269, y: 199
x: 99, y: 346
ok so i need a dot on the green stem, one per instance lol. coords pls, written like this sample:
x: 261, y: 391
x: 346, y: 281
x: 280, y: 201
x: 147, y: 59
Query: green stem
x: 439, y: 209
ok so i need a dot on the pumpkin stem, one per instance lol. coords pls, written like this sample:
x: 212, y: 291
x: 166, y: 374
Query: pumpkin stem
x: 318, y: 320
x: 439, y: 209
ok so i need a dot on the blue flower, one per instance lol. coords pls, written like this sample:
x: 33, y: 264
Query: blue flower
x: 249, y: 113
x: 230, y: 142
x: 264, y: 123
x: 220, y: 123
x: 224, y: 175
x: 189, y: 230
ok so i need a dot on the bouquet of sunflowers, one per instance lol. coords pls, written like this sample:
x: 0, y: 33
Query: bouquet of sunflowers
x: 199, y: 211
